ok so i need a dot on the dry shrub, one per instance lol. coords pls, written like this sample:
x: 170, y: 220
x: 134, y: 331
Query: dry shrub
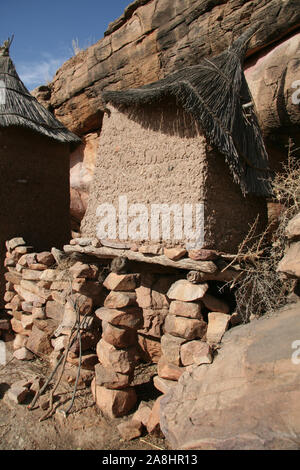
x: 260, y: 289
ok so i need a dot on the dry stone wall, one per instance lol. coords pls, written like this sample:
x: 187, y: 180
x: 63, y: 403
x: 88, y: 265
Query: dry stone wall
x: 125, y: 319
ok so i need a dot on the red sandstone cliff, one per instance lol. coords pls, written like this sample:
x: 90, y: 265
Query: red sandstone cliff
x: 156, y: 37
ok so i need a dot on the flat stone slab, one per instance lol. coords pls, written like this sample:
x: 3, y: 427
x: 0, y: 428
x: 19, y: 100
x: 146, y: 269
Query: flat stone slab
x: 248, y: 398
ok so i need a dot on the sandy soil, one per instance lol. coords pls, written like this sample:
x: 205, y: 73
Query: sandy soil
x: 85, y: 428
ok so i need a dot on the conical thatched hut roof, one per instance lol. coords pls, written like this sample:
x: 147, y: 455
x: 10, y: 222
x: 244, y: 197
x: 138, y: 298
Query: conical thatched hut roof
x: 216, y: 93
x: 19, y: 108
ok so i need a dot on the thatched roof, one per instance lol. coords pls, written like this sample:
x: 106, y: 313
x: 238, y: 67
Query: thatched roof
x: 20, y: 108
x: 216, y: 94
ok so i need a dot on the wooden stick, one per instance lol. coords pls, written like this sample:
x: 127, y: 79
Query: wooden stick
x: 111, y: 253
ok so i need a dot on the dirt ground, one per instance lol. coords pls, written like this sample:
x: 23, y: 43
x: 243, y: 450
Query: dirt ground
x: 85, y: 428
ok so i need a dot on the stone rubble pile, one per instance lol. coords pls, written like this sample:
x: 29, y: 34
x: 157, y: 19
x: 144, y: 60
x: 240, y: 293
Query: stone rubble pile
x: 43, y: 302
x: 169, y: 319
x: 188, y: 338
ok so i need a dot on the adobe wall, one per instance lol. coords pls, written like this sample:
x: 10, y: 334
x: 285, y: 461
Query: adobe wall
x: 34, y: 190
x: 166, y: 160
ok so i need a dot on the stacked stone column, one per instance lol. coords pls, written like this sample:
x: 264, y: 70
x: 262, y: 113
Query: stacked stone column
x: 27, y: 292
x: 117, y: 351
x: 184, y: 342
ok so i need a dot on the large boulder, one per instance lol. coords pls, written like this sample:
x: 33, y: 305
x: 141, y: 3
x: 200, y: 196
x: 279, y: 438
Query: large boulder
x: 248, y: 398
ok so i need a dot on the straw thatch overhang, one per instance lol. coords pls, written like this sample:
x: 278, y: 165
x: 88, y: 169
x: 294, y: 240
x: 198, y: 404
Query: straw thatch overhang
x: 20, y: 108
x: 216, y: 94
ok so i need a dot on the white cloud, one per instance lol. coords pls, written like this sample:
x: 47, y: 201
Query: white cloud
x: 39, y: 73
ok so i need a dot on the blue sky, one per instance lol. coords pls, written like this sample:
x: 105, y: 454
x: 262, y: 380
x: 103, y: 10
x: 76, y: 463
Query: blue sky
x: 44, y: 32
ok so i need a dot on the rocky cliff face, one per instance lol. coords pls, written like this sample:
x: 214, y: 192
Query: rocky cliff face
x: 156, y: 37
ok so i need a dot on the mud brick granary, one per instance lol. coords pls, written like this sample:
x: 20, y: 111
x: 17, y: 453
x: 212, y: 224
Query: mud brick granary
x: 34, y: 166
x: 190, y: 138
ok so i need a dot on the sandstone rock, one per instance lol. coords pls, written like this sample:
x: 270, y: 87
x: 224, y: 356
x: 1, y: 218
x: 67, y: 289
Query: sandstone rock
x: 203, y: 255
x: 247, y: 399
x: 290, y: 263
x: 86, y: 271
x: 30, y: 296
x: 60, y: 285
x: 48, y: 325
x: 88, y: 361
x: 170, y: 347
x: 60, y: 297
x: 114, y: 403
x: 16, y: 303
x: 54, y: 357
x: 19, y: 341
x: 60, y: 343
x: 144, y: 298
x: 27, y: 307
x: 153, y: 322
x: 163, y: 385
x: 82, y: 303
x: 54, y: 310
x: 153, y: 425
x: 23, y: 261
x: 151, y: 250
x: 119, y: 360
x: 142, y: 414
x: 13, y: 277
x: 119, y: 299
x: 130, y: 430
x: 89, y: 340
x: 185, y: 309
x: 31, y: 259
x: 169, y: 371
x: 88, y: 288
x: 121, y: 282
x: 22, y: 250
x: 27, y: 321
x: 38, y: 313
x: 18, y: 327
x: 108, y: 378
x: 39, y: 342
x: 214, y: 304
x: 30, y: 275
x: 293, y: 227
x: 9, y: 287
x: 14, y: 242
x: 9, y: 262
x: 45, y: 258
x: 196, y: 352
x: 175, y: 253
x: 18, y: 394
x: 218, y: 323
x: 59, y: 255
x: 9, y: 296
x: 48, y: 275
x: 38, y: 267
x: 127, y: 318
x: 187, y: 328
x: 121, y: 338
x: 150, y: 349
x: 23, y: 354
x: 186, y: 291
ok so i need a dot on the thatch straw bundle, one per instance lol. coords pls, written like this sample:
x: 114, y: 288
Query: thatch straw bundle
x: 19, y: 108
